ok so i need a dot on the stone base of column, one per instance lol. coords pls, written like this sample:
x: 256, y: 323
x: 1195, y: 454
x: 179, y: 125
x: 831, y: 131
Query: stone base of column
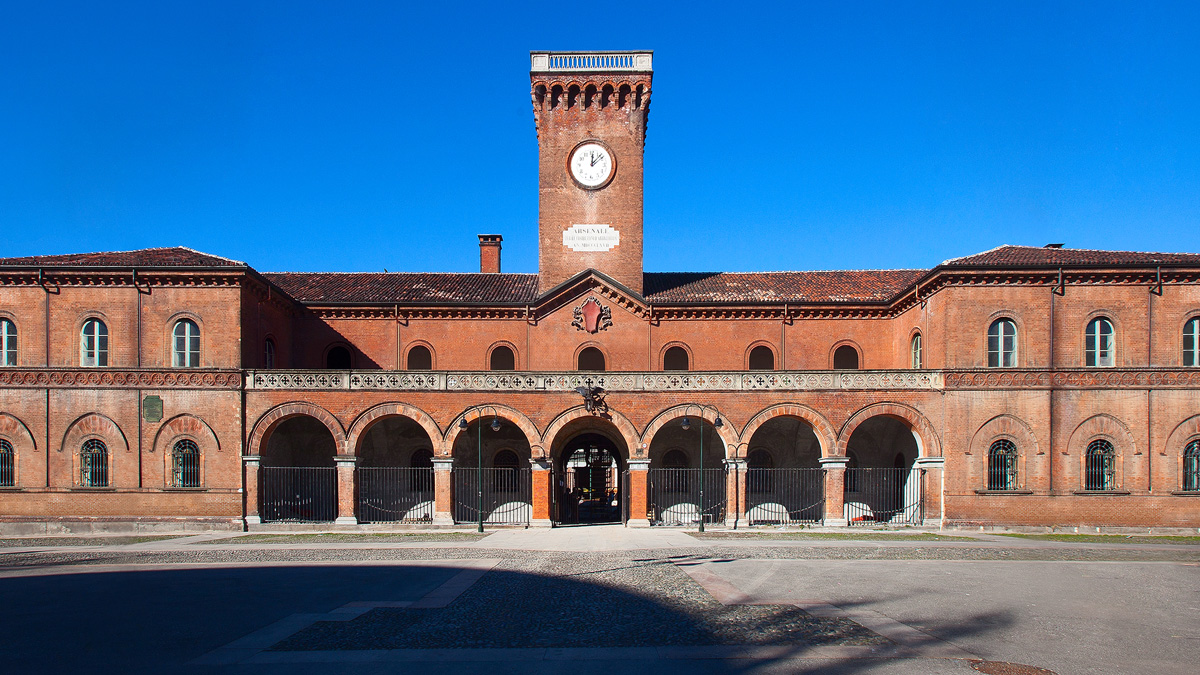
x: 541, y: 522
x: 442, y: 520
x: 346, y: 520
x: 932, y: 522
x: 638, y: 522
x: 836, y: 522
x: 252, y: 520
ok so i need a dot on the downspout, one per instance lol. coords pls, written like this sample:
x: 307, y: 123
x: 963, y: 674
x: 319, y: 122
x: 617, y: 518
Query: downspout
x: 1050, y: 392
x: 140, y: 417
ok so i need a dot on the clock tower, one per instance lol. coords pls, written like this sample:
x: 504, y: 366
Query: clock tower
x: 590, y: 109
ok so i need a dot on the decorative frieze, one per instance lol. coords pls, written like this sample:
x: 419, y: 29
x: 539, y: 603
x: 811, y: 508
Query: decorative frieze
x: 1091, y: 378
x: 114, y: 378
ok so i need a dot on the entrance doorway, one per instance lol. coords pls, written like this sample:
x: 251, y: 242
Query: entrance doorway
x: 589, y: 481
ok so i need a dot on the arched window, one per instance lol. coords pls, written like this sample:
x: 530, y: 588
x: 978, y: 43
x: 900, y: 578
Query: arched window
x: 269, y: 353
x: 505, y: 459
x: 1099, y: 466
x: 502, y: 358
x: 675, y: 459
x: 845, y: 358
x: 591, y: 358
x: 93, y: 464
x: 1191, y: 342
x: 338, y: 358
x: 8, y: 465
x: 762, y: 358
x: 422, y: 458
x: 759, y: 464
x: 675, y: 358
x: 186, y: 351
x: 420, y: 358
x: 1098, y: 344
x: 1191, y: 467
x: 1002, y: 344
x: 1002, y: 466
x: 8, y: 343
x: 93, y: 344
x: 914, y: 351
x: 185, y: 464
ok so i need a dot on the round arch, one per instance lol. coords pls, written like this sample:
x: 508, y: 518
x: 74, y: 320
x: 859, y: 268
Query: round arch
x: 1185, y: 432
x: 1007, y: 427
x: 551, y: 442
x: 15, y: 432
x: 590, y: 344
x: 1109, y: 428
x: 527, y: 427
x: 95, y: 424
x: 662, y: 354
x: 728, y: 436
x: 271, y: 419
x: 755, y: 345
x: 928, y: 443
x: 487, y: 357
x: 391, y: 409
x: 821, y: 426
x: 185, y: 425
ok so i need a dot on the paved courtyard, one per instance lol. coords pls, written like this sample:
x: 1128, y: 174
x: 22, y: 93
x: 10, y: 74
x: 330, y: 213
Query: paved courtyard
x: 603, y: 598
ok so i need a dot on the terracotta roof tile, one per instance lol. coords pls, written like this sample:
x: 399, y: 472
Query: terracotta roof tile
x: 405, y: 287
x: 1033, y: 256
x: 174, y: 256
x: 799, y: 287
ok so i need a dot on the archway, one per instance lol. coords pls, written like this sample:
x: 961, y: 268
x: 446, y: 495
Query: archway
x: 881, y: 485
x: 589, y: 475
x: 493, y: 481
x: 785, y: 483
x: 298, y: 480
x: 687, y: 478
x: 394, y: 473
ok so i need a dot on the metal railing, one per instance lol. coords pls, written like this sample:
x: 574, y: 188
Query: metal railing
x: 785, y: 496
x: 589, y: 494
x: 305, y: 494
x: 675, y: 496
x: 507, y: 495
x: 875, y: 496
x: 395, y: 494
x: 596, y: 61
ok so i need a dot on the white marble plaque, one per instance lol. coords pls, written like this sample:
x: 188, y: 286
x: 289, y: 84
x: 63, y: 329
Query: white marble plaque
x: 591, y: 238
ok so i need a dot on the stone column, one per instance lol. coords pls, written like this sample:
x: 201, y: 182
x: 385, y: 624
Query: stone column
x: 443, y: 492
x: 835, y: 483
x: 542, y: 485
x: 639, y: 495
x: 735, y: 492
x: 345, y: 489
x: 932, y: 489
x: 250, y: 464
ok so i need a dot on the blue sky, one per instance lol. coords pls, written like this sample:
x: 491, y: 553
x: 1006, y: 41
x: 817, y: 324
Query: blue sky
x: 339, y: 136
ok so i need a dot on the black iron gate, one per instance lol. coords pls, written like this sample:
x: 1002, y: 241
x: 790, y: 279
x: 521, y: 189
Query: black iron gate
x: 675, y: 496
x: 785, y: 496
x: 306, y: 494
x: 590, y: 494
x: 884, y: 496
x: 395, y: 494
x: 506, y: 495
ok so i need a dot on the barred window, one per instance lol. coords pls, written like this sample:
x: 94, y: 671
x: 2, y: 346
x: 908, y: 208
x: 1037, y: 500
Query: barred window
x: 93, y: 344
x: 1099, y: 466
x: 1191, y: 342
x: 269, y: 353
x: 1191, y: 467
x: 187, y: 344
x: 8, y: 465
x: 1098, y: 344
x: 8, y: 343
x: 93, y: 464
x: 1002, y: 465
x: 185, y: 463
x: 915, y: 351
x: 1002, y: 344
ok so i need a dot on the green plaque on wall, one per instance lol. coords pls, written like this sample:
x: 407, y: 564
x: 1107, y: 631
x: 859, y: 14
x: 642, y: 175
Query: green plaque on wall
x: 152, y: 409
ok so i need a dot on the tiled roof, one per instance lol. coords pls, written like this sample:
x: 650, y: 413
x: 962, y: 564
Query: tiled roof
x: 174, y: 256
x: 753, y: 287
x: 420, y: 288
x: 1033, y: 256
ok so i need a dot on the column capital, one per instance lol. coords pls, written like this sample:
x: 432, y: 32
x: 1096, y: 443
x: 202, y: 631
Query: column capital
x: 638, y: 464
x: 344, y: 460
x: 734, y: 463
x: 834, y: 462
x: 251, y: 459
x: 930, y: 462
x: 443, y: 463
x: 539, y: 463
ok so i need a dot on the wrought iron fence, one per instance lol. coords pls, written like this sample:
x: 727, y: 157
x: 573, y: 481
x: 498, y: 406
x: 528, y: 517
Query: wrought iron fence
x: 395, y: 494
x: 306, y: 494
x: 884, y: 496
x: 675, y: 496
x: 506, y: 495
x: 785, y: 496
x: 594, y: 494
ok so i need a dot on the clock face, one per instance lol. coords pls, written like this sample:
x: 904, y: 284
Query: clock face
x: 591, y: 165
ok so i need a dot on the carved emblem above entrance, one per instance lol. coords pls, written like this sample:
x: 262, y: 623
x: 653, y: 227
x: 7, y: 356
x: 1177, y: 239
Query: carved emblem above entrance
x: 592, y: 317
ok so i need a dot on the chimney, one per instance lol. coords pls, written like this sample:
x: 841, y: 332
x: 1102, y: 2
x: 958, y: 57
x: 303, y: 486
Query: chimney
x: 489, y: 253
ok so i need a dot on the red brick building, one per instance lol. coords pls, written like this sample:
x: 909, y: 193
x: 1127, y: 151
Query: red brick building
x: 167, y: 388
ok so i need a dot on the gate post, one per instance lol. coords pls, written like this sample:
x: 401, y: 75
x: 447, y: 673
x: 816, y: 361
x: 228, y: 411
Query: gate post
x: 933, y: 470
x: 639, y: 502
x: 250, y: 465
x: 735, y: 491
x: 835, y: 484
x: 542, y: 485
x: 443, y: 492
x: 345, y: 489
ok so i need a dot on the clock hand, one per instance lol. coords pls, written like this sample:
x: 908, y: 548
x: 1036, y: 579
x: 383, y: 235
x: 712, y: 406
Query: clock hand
x: 595, y: 158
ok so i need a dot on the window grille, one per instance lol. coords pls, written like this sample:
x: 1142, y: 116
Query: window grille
x: 1002, y: 465
x: 1002, y: 344
x: 8, y: 465
x: 93, y: 344
x: 187, y: 344
x: 1191, y: 342
x: 916, y: 351
x: 93, y: 464
x: 1098, y: 344
x: 1191, y: 467
x: 1098, y: 471
x: 269, y: 354
x: 185, y: 463
x: 8, y: 343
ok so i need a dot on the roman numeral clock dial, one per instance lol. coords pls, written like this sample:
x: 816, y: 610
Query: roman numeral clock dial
x: 592, y: 165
